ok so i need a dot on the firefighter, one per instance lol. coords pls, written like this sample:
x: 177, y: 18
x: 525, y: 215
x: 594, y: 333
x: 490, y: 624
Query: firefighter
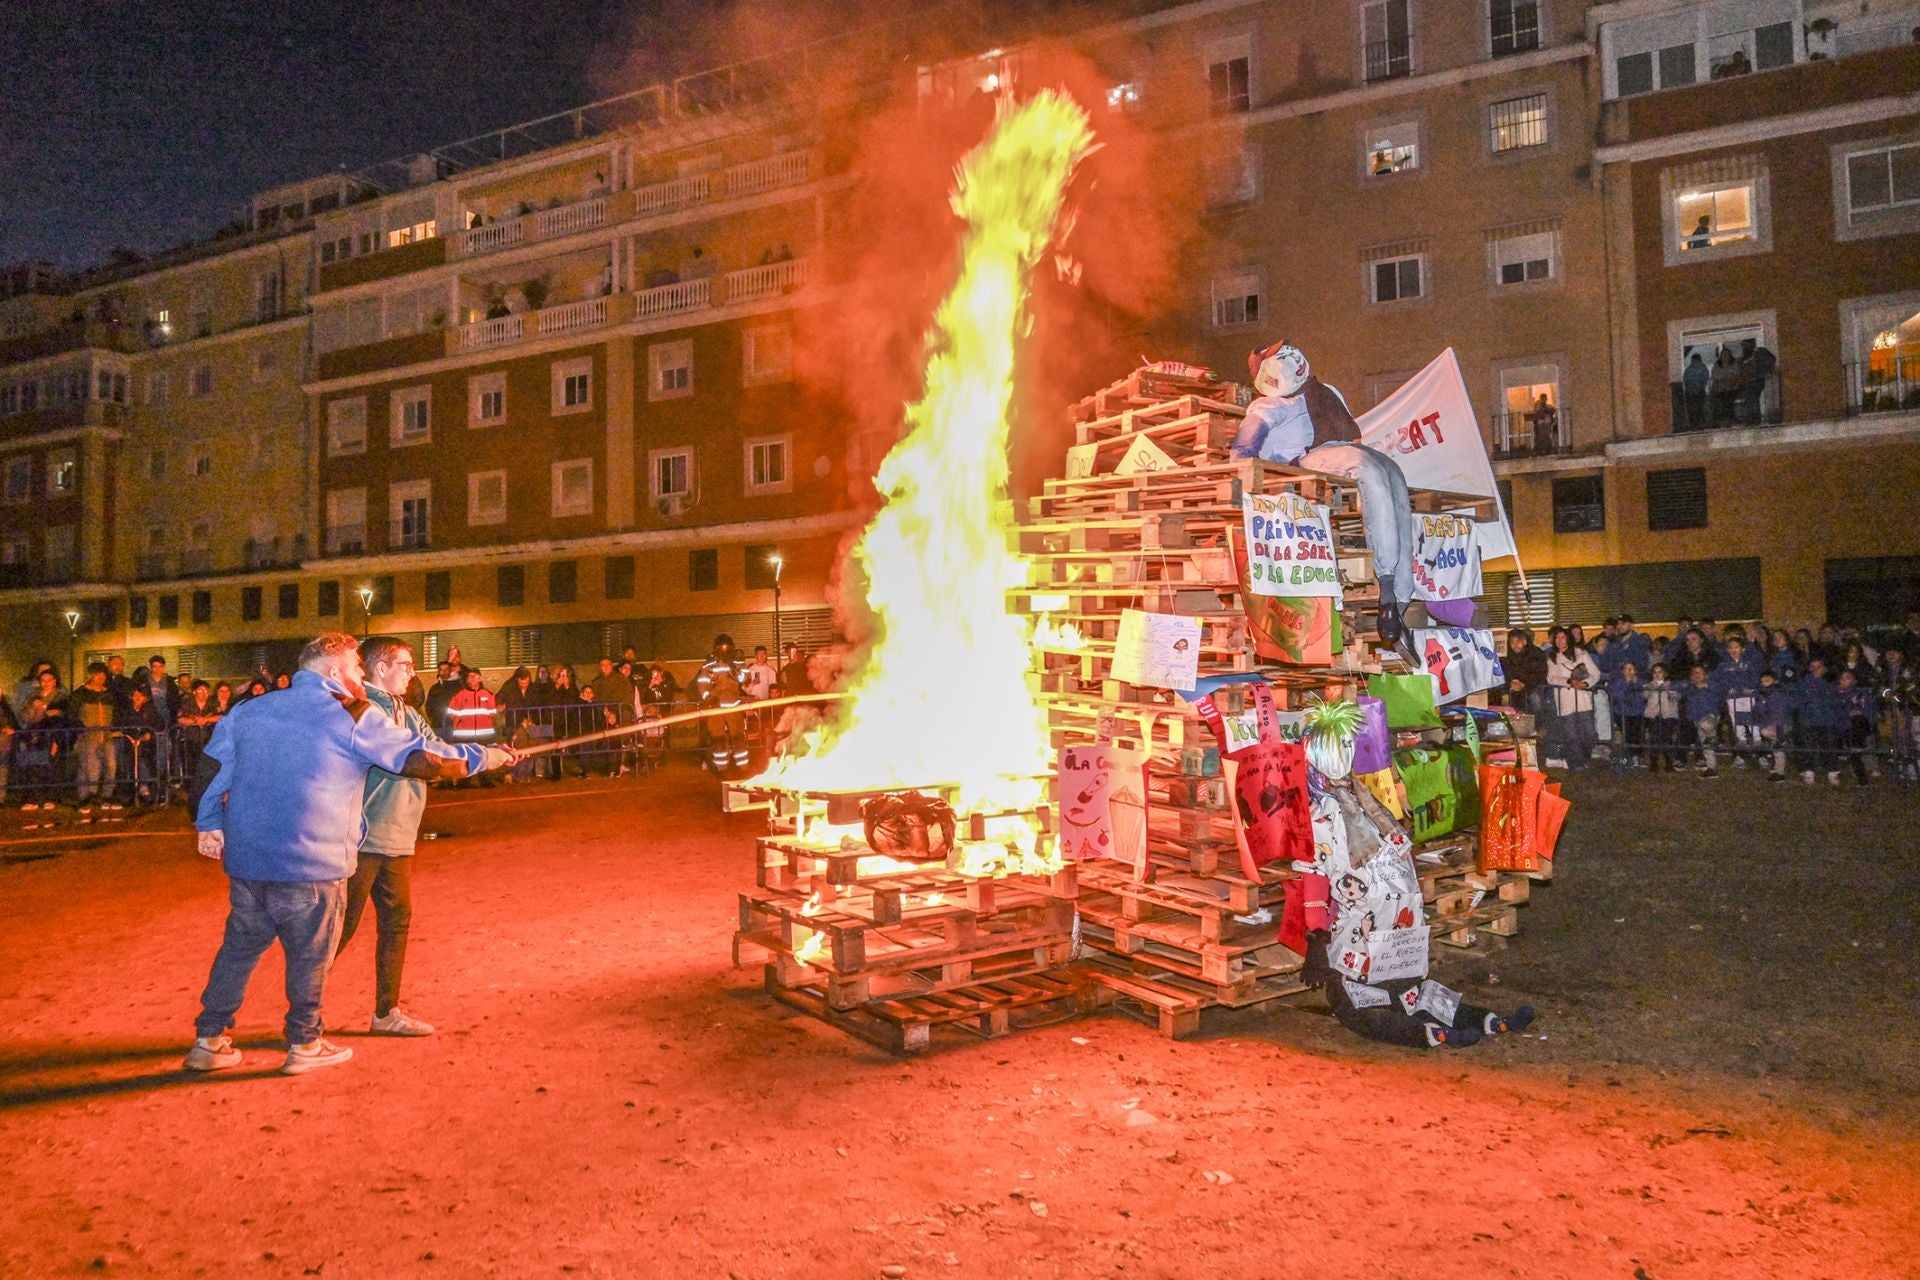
x: 721, y: 683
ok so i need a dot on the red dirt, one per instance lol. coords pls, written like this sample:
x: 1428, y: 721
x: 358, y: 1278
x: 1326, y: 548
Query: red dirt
x: 607, y: 1098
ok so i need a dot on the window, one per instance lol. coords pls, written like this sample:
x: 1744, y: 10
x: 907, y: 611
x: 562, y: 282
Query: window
x: 1386, y: 34
x: 439, y: 594
x: 487, y: 498
x: 486, y: 399
x: 289, y: 599
x: 1665, y: 68
x: 269, y: 293
x: 1236, y: 300
x: 169, y: 611
x: 411, y: 416
x: 1236, y: 178
x: 1524, y: 255
x: 758, y: 572
x: 19, y: 478
x: 1711, y: 218
x: 1531, y: 419
x: 573, y: 385
x: 703, y: 570
x: 346, y: 521
x: 203, y: 606
x: 768, y: 355
x: 1885, y: 178
x: 1394, y: 279
x: 1230, y: 76
x: 619, y: 577
x: 1579, y: 505
x: 767, y: 464
x: 563, y: 581
x: 202, y: 380
x: 407, y: 512
x: 1392, y: 148
x: 1677, y: 499
x: 1515, y: 26
x: 136, y: 611
x: 346, y: 426
x: 203, y: 464
x: 327, y: 599
x: 1517, y: 123
x: 1725, y: 342
x: 265, y: 364
x: 669, y: 370
x: 510, y: 584
x: 425, y: 230
x: 63, y: 473
x: 672, y: 473
x: 156, y: 464
x: 249, y: 604
x: 573, y: 487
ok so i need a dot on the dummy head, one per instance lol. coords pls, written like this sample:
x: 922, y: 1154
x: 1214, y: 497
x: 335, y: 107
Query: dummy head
x: 1278, y: 370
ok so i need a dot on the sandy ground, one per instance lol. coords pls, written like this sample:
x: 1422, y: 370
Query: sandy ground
x: 1724, y: 1082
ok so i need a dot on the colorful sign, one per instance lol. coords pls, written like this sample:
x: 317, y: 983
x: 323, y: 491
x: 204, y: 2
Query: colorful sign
x: 1459, y: 660
x: 1289, y: 547
x: 1158, y: 650
x: 1446, y: 558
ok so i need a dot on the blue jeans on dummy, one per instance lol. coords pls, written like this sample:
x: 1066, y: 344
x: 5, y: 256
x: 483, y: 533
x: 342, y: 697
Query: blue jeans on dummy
x: 1386, y: 509
x: 305, y: 917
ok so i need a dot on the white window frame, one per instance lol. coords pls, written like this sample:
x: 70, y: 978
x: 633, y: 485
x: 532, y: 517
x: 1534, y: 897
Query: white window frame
x: 336, y: 501
x: 1856, y: 347
x: 1543, y: 20
x: 19, y: 480
x: 1245, y: 166
x: 1760, y: 202
x: 561, y: 470
x: 1505, y: 250
x: 478, y: 515
x: 747, y: 449
x: 1767, y: 322
x: 1388, y: 135
x: 343, y: 416
x: 1370, y: 279
x: 63, y: 473
x: 1900, y: 218
x: 1225, y: 51
x: 750, y: 373
x: 1227, y: 296
x: 564, y: 372
x: 654, y: 458
x: 397, y: 405
x: 665, y: 356
x: 399, y: 493
x: 479, y: 387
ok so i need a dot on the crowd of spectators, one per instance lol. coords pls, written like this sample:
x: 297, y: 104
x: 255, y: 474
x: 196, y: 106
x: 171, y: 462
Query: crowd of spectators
x: 1814, y: 703
x: 120, y: 740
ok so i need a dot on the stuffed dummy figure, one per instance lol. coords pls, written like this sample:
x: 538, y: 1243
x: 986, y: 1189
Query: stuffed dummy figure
x: 1297, y: 419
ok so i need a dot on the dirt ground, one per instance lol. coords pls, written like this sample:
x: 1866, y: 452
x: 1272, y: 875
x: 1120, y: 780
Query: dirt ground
x: 1723, y: 1082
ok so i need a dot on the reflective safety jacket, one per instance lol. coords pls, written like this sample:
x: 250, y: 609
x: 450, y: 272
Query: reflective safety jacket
x: 470, y: 716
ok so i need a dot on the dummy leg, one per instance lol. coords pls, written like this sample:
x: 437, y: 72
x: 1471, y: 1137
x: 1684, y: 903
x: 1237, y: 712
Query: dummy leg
x: 1386, y: 511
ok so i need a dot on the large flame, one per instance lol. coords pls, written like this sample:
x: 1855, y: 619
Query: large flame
x: 942, y: 697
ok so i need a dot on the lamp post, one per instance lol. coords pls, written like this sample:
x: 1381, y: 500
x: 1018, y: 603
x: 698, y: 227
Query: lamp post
x: 73, y: 644
x: 779, y: 653
x: 366, y: 611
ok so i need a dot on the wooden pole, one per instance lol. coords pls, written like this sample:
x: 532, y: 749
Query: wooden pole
x: 664, y: 722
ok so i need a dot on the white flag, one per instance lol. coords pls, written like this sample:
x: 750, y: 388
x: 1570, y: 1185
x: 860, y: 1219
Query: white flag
x: 1428, y: 427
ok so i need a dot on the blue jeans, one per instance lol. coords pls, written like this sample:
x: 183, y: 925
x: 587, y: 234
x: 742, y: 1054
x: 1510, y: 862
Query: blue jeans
x: 305, y: 917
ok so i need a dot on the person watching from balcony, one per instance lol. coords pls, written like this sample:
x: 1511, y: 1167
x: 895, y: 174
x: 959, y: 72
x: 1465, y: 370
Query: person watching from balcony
x: 1724, y: 381
x: 1544, y: 421
x: 1756, y: 367
x: 1694, y: 381
x: 700, y: 265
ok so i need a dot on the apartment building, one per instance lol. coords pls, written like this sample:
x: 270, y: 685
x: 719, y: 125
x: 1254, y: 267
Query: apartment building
x: 1760, y: 165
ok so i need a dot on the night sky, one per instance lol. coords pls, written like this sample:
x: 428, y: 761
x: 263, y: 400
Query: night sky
x: 150, y: 125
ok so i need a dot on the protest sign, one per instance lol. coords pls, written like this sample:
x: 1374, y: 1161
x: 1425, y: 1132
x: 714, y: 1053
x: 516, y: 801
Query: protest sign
x: 1081, y: 459
x: 1459, y: 660
x: 1143, y: 455
x: 1289, y: 547
x: 1397, y: 953
x: 1446, y: 558
x: 1428, y: 427
x: 1159, y: 650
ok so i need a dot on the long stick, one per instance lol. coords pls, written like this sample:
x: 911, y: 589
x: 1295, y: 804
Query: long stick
x: 685, y: 717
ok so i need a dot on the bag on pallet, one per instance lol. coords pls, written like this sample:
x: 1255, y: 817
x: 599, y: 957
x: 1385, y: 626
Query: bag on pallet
x: 1268, y: 782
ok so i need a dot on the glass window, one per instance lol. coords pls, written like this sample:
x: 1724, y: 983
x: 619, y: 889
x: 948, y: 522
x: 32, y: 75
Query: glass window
x: 412, y: 415
x: 1393, y: 148
x: 1230, y: 77
x: 327, y: 600
x: 1524, y: 259
x: 487, y: 498
x: 619, y: 577
x: 439, y: 590
x: 669, y: 370
x: 672, y: 474
x: 767, y: 465
x: 486, y: 399
x: 563, y: 581
x: 1579, y: 504
x: 1885, y: 178
x: 1709, y: 217
x: 1236, y: 300
x: 703, y: 569
x: 1516, y: 26
x: 1395, y: 279
x: 573, y: 487
x: 347, y: 426
x: 572, y: 385
x: 1387, y: 39
x: 1518, y: 123
x: 289, y: 599
x: 510, y: 584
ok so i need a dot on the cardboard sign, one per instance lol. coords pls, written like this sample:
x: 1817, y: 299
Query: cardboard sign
x: 1437, y: 1002
x: 1289, y: 547
x: 1397, y: 953
x: 1459, y: 660
x: 1158, y: 650
x: 1143, y: 455
x: 1127, y: 806
x: 1081, y: 459
x: 1084, y: 787
x: 1362, y: 996
x: 1446, y: 558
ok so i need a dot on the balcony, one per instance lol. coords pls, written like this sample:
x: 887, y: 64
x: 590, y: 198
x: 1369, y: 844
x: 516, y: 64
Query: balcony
x: 274, y: 553
x: 400, y: 260
x: 345, y: 540
x: 673, y: 299
x: 1754, y: 403
x: 63, y: 417
x: 568, y: 317
x: 72, y: 335
x: 152, y: 565
x: 1888, y: 385
x: 388, y: 353
x: 1537, y: 433
x: 195, y: 560
x: 1389, y: 59
x: 769, y: 281
x: 532, y: 228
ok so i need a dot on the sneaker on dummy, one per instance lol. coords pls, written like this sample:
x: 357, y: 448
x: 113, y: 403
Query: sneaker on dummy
x: 215, y: 1053
x: 312, y: 1055
x: 398, y: 1023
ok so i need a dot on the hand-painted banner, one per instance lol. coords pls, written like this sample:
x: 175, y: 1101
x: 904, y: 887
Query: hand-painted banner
x: 1459, y: 660
x: 1158, y: 650
x: 1289, y: 547
x: 1446, y: 558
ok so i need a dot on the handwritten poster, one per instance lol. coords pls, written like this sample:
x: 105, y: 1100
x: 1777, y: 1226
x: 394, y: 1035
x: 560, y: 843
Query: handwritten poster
x: 1289, y: 547
x: 1397, y: 953
x: 1446, y: 558
x: 1158, y: 650
x: 1143, y: 455
x: 1081, y: 459
x: 1459, y: 660
x: 1085, y: 789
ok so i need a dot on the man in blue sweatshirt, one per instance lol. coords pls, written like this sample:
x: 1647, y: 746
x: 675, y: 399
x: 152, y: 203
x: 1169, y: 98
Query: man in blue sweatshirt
x: 281, y: 783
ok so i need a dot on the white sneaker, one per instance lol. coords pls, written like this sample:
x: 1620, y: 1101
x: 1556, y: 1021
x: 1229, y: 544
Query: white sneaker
x: 397, y: 1023
x: 313, y: 1055
x: 1556, y: 763
x: 28, y: 807
x: 86, y: 808
x: 1807, y: 777
x: 111, y: 805
x: 212, y: 1054
x: 1833, y: 779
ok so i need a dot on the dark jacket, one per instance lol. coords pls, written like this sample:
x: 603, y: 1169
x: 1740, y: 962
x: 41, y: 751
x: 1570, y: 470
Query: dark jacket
x: 1529, y: 667
x: 1820, y: 704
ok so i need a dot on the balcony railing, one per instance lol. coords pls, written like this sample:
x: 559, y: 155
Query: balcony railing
x: 568, y: 317
x: 408, y: 534
x: 1884, y: 386
x: 1537, y: 433
x: 665, y: 197
x: 788, y: 170
x: 768, y: 281
x: 1749, y: 403
x: 274, y: 553
x: 531, y: 228
x: 1389, y: 59
x: 672, y: 299
x: 346, y: 540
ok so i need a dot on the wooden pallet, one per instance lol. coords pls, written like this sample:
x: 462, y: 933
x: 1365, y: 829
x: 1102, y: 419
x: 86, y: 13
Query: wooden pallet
x: 907, y: 1024
x: 1178, y: 1004
x: 848, y: 944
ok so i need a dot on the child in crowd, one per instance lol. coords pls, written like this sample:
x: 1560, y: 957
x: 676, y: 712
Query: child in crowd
x: 1863, y: 719
x: 1821, y: 714
x: 1739, y: 677
x: 1627, y: 693
x: 1773, y: 719
x: 1700, y: 709
x: 1663, y: 719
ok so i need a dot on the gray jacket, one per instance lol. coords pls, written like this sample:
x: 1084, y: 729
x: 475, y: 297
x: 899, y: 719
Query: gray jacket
x: 394, y: 804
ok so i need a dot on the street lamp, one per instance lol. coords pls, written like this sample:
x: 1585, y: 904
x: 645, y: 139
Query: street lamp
x: 73, y: 643
x: 779, y: 653
x: 366, y: 611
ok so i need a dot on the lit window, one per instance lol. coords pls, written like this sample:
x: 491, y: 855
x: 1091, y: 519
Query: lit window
x: 1518, y: 123
x: 768, y: 465
x: 487, y: 498
x: 1395, y: 279
x: 573, y: 487
x: 1886, y: 178
x: 1236, y: 300
x: 426, y: 230
x: 1393, y: 148
x: 347, y: 426
x: 1706, y: 219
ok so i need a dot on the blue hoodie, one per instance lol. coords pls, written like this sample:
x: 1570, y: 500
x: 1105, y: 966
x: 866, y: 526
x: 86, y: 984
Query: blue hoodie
x: 1700, y: 701
x: 291, y: 773
x: 1821, y: 704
